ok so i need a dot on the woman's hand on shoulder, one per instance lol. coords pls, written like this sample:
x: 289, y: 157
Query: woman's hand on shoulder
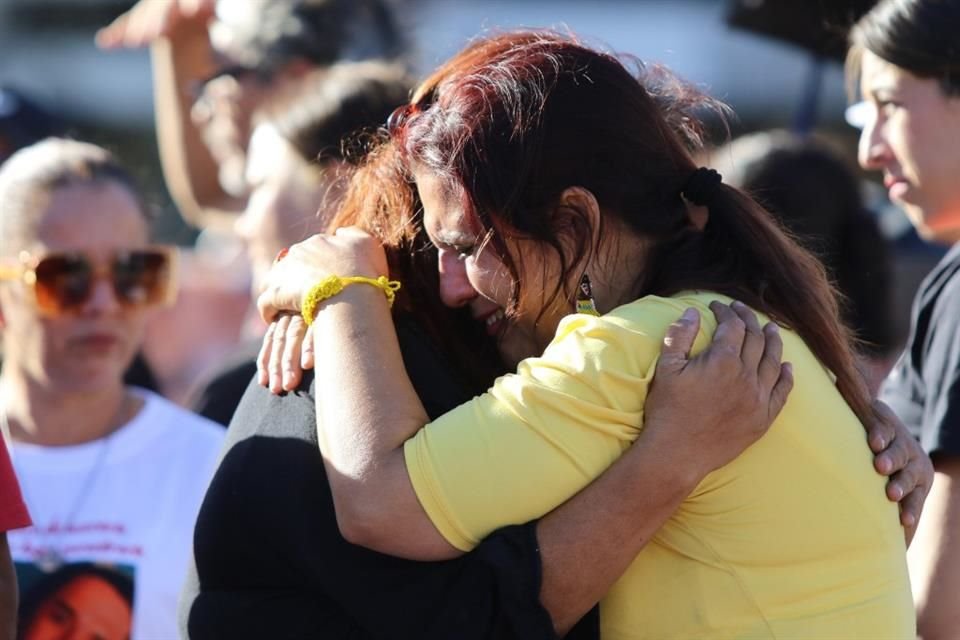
x: 898, y: 455
x: 287, y: 348
x: 713, y: 406
x: 286, y: 352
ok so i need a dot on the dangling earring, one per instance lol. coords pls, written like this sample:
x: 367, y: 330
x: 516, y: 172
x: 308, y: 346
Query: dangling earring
x: 585, y: 303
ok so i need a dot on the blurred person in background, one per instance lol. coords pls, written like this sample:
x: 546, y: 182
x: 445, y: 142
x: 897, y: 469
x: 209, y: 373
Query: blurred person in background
x: 215, y: 61
x: 813, y: 192
x: 22, y: 123
x: 300, y: 157
x: 111, y: 473
x: 905, y: 57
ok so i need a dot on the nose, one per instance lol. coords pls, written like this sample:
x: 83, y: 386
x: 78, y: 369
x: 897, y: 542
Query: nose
x: 873, y: 152
x: 103, y: 299
x: 455, y: 287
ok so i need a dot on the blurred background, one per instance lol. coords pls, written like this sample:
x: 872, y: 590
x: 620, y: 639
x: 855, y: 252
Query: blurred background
x: 47, y: 52
x: 777, y: 63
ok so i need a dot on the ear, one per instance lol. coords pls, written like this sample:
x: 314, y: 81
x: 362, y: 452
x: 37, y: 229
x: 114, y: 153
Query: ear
x: 585, y: 205
x: 697, y: 214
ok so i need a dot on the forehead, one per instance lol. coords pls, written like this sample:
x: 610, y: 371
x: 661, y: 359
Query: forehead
x: 877, y: 74
x: 91, y: 217
x: 445, y: 215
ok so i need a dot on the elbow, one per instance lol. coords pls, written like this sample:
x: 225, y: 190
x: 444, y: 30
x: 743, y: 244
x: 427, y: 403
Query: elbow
x: 362, y: 521
x: 356, y: 530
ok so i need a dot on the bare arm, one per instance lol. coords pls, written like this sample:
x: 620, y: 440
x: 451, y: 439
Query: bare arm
x: 364, y: 436
x: 189, y: 169
x: 176, y: 31
x: 934, y: 557
x: 366, y: 406
x: 363, y: 433
x: 8, y: 592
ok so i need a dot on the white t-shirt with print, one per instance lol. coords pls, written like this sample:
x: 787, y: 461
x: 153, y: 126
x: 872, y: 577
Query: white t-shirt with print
x: 128, y: 501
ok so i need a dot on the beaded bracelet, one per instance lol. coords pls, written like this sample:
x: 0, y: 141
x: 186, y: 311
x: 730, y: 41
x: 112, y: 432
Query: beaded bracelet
x: 332, y: 285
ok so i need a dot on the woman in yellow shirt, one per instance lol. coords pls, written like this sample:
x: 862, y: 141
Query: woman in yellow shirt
x: 546, y: 169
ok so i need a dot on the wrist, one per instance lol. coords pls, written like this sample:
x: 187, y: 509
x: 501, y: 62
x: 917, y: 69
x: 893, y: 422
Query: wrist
x: 358, y: 288
x: 684, y: 465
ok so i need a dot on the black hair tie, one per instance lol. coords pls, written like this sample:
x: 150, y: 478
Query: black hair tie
x: 701, y: 186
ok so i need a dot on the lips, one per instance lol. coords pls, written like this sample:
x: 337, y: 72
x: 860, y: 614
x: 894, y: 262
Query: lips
x: 896, y: 187
x: 889, y: 180
x: 97, y: 342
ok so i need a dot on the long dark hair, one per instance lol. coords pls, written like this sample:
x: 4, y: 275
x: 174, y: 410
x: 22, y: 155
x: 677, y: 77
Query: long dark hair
x: 515, y: 119
x: 917, y: 35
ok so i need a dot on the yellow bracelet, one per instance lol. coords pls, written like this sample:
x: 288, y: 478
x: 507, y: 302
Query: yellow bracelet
x: 332, y: 285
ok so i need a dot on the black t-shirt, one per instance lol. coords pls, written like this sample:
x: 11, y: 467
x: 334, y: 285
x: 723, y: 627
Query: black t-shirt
x: 270, y: 560
x: 924, y: 387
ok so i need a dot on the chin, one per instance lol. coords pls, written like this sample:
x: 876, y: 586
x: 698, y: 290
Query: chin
x: 90, y: 376
x: 92, y: 385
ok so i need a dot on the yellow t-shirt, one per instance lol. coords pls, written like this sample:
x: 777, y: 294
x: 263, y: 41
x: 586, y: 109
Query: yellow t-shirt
x: 793, y: 539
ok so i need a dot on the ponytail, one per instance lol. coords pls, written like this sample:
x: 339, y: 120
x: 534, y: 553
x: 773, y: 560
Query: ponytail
x: 743, y: 252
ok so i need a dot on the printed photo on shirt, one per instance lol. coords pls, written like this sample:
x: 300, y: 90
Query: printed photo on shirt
x: 79, y: 600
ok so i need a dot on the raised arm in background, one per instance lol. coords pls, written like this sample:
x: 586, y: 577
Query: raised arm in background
x: 182, y: 57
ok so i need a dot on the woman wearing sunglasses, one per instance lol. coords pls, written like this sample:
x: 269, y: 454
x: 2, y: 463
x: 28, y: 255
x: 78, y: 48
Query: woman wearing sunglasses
x: 111, y: 474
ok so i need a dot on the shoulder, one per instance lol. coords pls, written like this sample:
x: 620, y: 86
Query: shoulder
x: 634, y: 330
x: 941, y: 287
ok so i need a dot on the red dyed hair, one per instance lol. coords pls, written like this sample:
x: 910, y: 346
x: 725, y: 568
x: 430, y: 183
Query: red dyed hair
x: 517, y: 118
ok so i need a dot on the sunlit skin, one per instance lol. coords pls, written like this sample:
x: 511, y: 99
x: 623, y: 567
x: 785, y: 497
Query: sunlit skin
x: 912, y: 136
x: 289, y: 200
x: 86, y: 608
x: 87, y: 351
x: 472, y: 275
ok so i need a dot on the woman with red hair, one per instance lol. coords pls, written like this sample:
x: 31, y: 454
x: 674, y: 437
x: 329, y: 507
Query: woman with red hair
x: 553, y: 180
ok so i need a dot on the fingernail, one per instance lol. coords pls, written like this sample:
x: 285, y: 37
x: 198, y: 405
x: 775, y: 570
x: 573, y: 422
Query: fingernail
x: 689, y: 314
x: 773, y: 327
